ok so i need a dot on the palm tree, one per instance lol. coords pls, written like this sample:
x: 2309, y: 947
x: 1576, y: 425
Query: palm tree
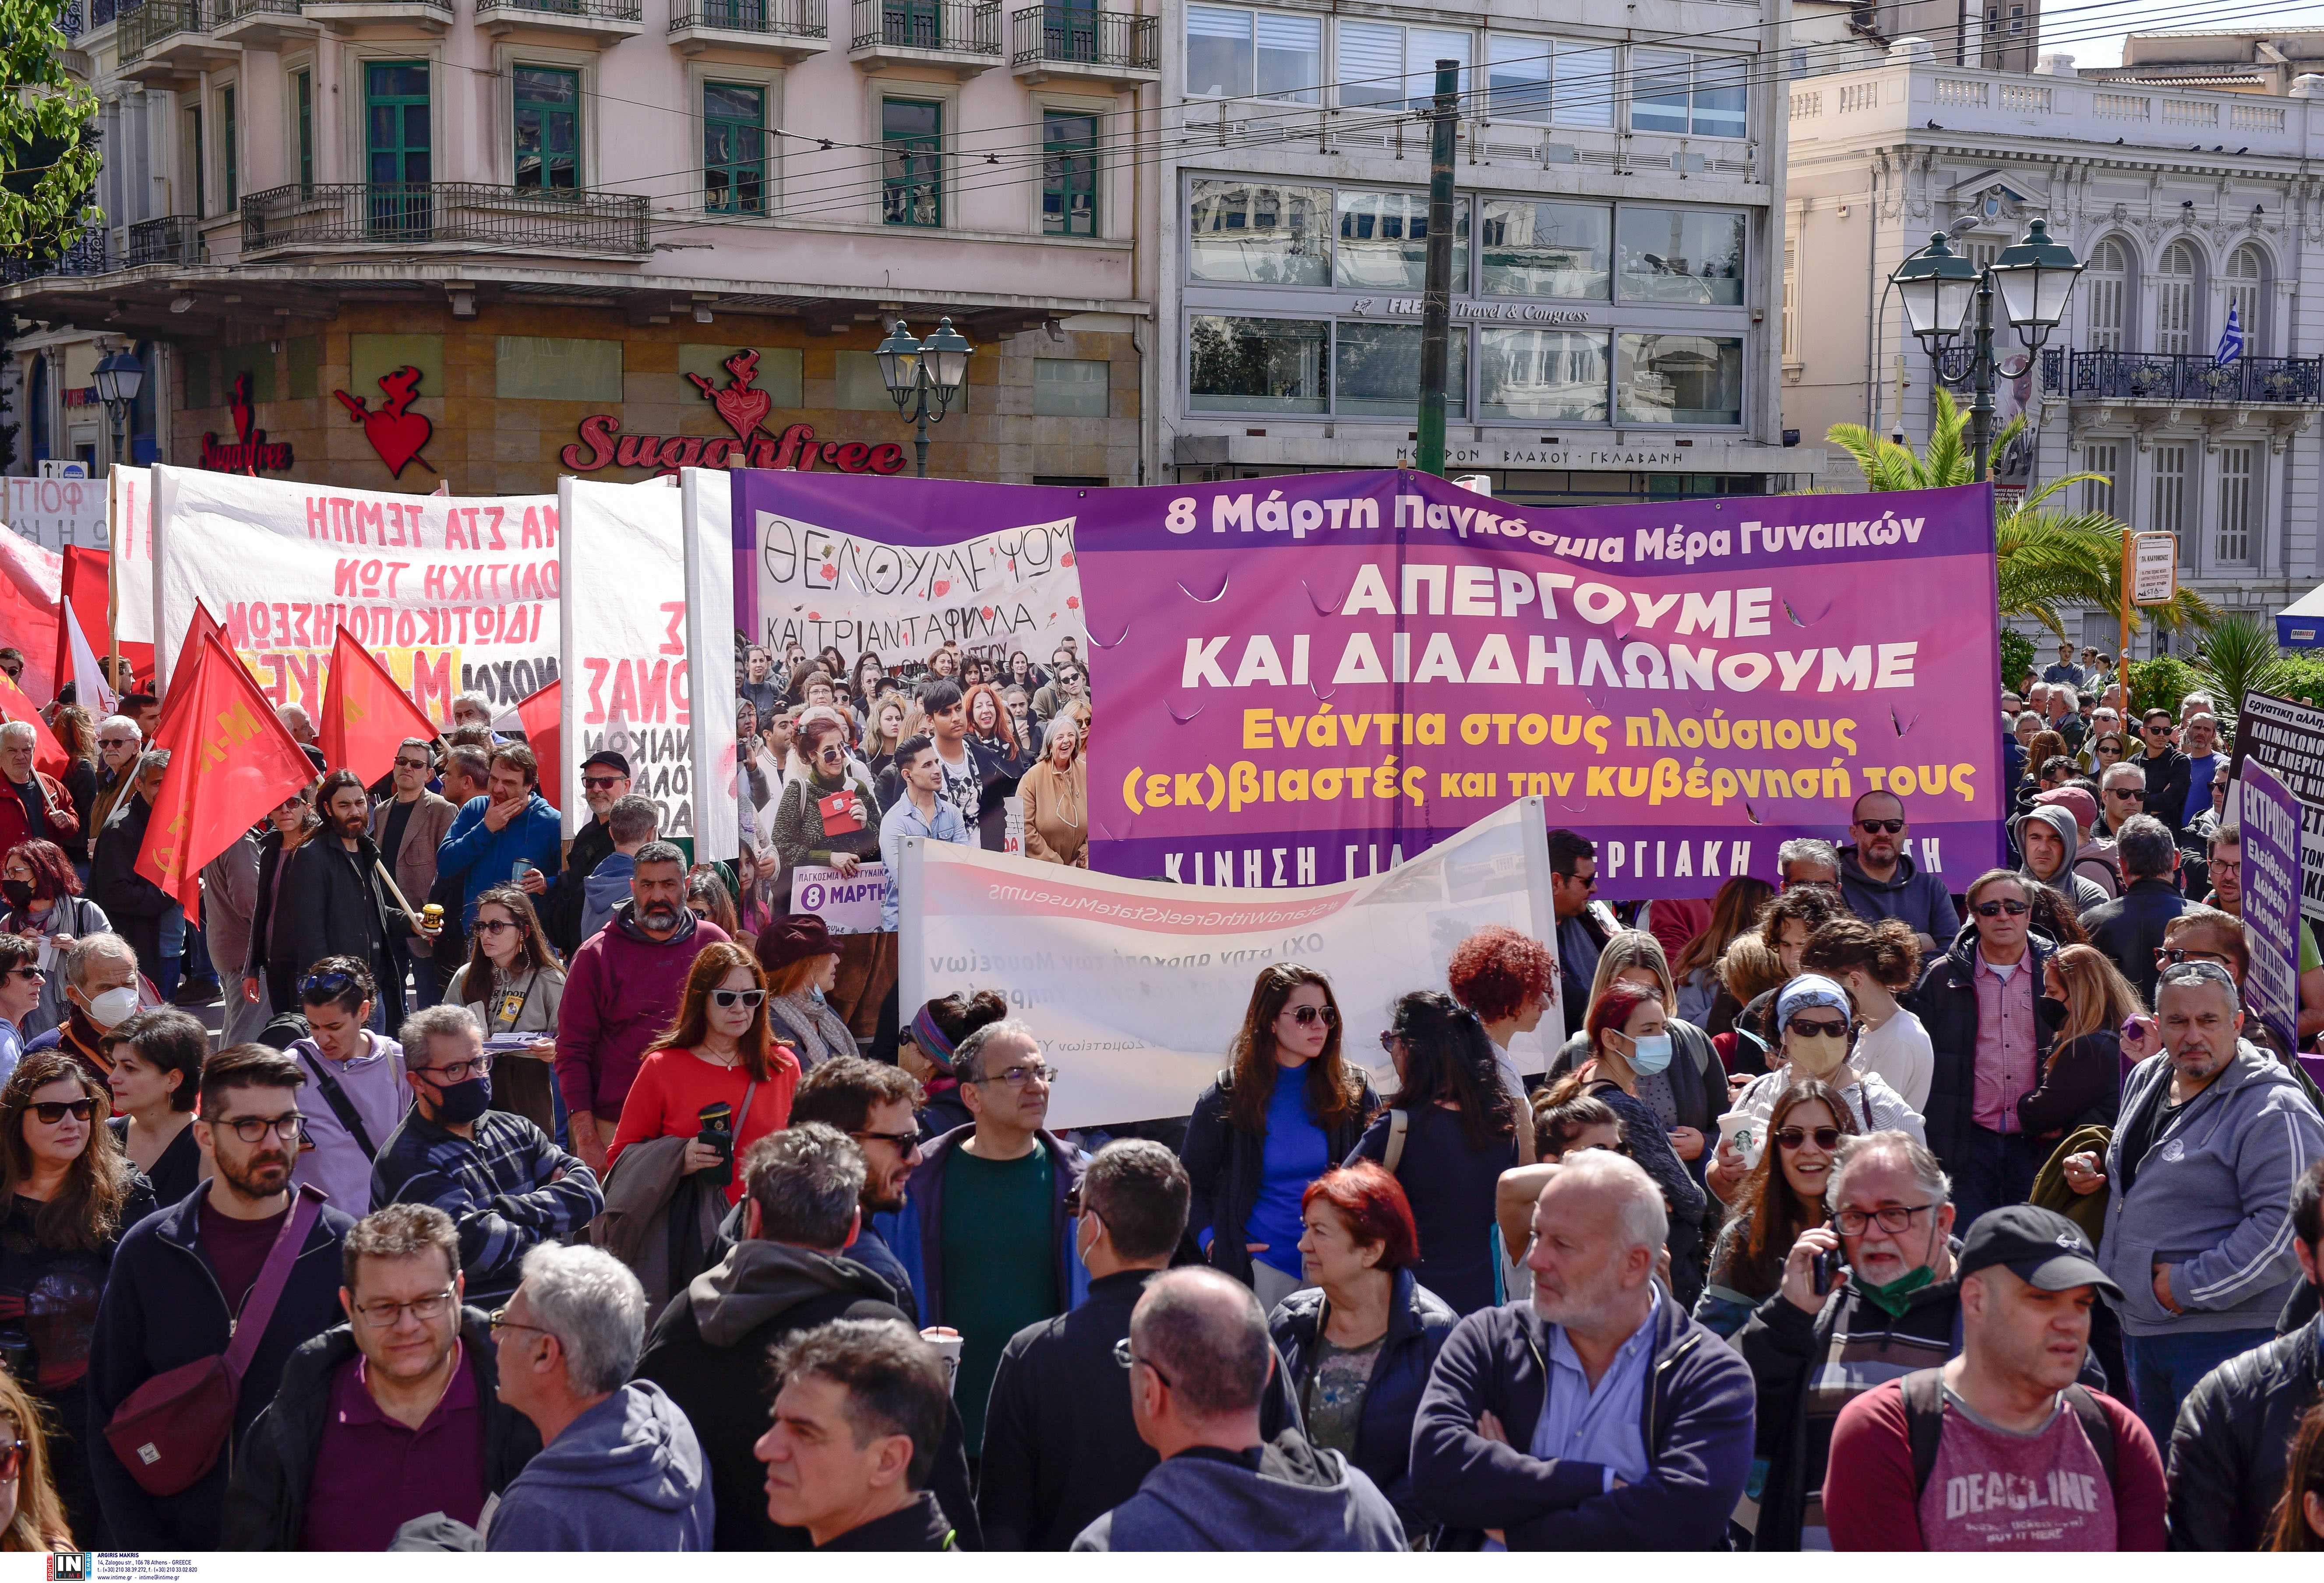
x: 2046, y: 557
x: 2239, y: 655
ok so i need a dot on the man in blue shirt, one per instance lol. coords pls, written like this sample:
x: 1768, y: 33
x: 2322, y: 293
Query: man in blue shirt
x: 1598, y: 1415
x: 919, y: 812
x: 512, y: 834
x: 2065, y: 669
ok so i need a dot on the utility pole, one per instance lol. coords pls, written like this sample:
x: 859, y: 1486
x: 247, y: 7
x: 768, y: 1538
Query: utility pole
x: 1436, y: 293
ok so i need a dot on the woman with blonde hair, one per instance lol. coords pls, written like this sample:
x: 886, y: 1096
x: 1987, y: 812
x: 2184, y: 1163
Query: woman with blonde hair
x: 1056, y: 797
x: 2080, y: 1085
x: 2300, y: 1515
x: 35, y: 1516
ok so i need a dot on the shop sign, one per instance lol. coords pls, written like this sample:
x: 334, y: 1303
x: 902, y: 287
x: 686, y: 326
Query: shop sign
x: 1464, y: 310
x: 252, y: 453
x: 746, y: 410
x: 395, y: 432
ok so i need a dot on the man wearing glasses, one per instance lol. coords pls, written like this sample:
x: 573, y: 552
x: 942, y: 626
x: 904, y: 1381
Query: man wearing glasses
x: 875, y: 1104
x: 393, y: 1415
x: 2169, y: 775
x: 604, y: 781
x: 180, y: 1277
x: 2130, y: 927
x: 408, y: 828
x: 1583, y: 926
x: 1879, y: 880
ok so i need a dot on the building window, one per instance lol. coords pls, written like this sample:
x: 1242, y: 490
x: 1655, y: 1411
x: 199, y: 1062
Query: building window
x: 2174, y: 301
x: 2016, y: 20
x: 1791, y: 301
x: 1383, y: 66
x: 1702, y: 96
x: 1542, y: 80
x: 1981, y: 251
x: 397, y: 152
x: 2246, y: 272
x: 229, y: 140
x: 1541, y: 376
x: 734, y: 148
x: 1680, y: 256
x: 2170, y: 512
x: 912, y: 177
x: 1068, y: 173
x: 1258, y: 364
x: 2098, y: 493
x: 2107, y: 289
x: 196, y: 155
x: 303, y: 94
x: 555, y: 368
x: 1257, y: 233
x: 1376, y: 371
x: 2239, y: 475
x: 1535, y: 248
x: 1238, y: 54
x: 547, y: 130
x: 1384, y: 242
x: 1070, y: 388
x: 1666, y: 378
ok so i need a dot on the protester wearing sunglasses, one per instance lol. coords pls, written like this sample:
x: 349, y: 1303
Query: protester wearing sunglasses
x: 2169, y: 774
x: 1878, y: 879
x: 21, y: 983
x: 829, y: 816
x: 65, y: 1196
x: 1783, y: 1196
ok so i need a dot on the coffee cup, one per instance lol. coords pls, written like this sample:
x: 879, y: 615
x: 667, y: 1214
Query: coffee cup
x: 947, y: 1343
x: 1741, y: 1130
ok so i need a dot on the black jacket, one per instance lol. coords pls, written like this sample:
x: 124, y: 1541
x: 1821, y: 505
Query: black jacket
x: 1060, y: 1446
x: 921, y: 1526
x: 135, y: 904
x: 1418, y: 1321
x: 2129, y: 928
x: 266, y: 1498
x: 331, y: 904
x: 565, y: 903
x: 1227, y: 1166
x: 762, y: 1293
x: 282, y: 992
x: 2169, y: 778
x: 1946, y: 1004
x: 162, y: 1309
x: 2233, y: 1439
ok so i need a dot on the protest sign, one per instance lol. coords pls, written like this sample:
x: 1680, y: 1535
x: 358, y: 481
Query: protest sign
x: 1136, y: 988
x: 625, y: 640
x: 1307, y: 679
x: 451, y: 594
x: 847, y: 904
x: 56, y: 514
x: 2286, y: 738
x: 2269, y: 818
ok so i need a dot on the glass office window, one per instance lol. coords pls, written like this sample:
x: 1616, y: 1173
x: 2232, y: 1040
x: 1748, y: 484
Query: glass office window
x: 1677, y: 378
x: 1376, y: 371
x: 912, y: 178
x: 1383, y: 244
x: 1541, y: 376
x: 1259, y: 233
x: 1233, y: 54
x: 1586, y: 85
x: 1383, y: 66
x: 1068, y: 173
x: 1070, y: 388
x: 1239, y: 365
x: 1516, y: 76
x: 1547, y: 249
x: 734, y: 148
x: 1720, y: 84
x: 1659, y: 88
x: 1680, y: 256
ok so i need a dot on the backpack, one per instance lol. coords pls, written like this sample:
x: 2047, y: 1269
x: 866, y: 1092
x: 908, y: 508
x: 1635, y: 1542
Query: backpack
x: 1924, y: 1423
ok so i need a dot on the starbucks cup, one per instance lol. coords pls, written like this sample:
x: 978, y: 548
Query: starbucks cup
x: 947, y: 1343
x: 1740, y: 1131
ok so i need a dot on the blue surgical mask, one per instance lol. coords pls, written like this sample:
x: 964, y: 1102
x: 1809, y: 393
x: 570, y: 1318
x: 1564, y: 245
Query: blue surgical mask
x: 1651, y: 1054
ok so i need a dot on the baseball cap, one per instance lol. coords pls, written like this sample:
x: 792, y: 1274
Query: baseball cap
x: 610, y: 760
x: 2040, y: 1246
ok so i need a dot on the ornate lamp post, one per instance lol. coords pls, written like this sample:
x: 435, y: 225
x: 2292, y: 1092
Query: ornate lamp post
x: 914, y: 369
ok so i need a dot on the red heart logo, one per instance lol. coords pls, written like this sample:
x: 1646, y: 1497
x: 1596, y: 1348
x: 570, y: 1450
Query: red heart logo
x: 1073, y: 602
x: 941, y: 588
x: 397, y: 437
x: 1066, y: 560
x: 743, y: 410
x: 986, y: 613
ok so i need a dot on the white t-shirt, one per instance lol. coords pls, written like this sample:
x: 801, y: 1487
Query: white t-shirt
x: 1873, y: 1106
x: 1900, y: 1053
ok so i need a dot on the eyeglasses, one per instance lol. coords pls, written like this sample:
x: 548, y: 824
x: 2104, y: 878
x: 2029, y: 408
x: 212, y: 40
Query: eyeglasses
x: 116, y: 742
x: 906, y: 1144
x: 2227, y: 865
x: 2120, y: 795
x: 831, y: 755
x: 1816, y: 1028
x: 1123, y: 1355
x: 1881, y: 827
x: 2175, y: 956
x: 1018, y: 1077
x: 494, y: 925
x: 1996, y: 909
x: 11, y: 1458
x: 1891, y: 1218
x: 385, y: 1316
x: 728, y: 999
x: 253, y: 1129
x: 600, y: 783
x: 499, y: 1320
x: 1826, y: 1138
x: 53, y: 1111
x: 1306, y: 1016
x: 457, y: 1072
x: 414, y: 764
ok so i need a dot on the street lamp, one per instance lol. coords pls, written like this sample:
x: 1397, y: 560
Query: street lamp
x: 913, y: 369
x: 2036, y: 280
x: 119, y: 377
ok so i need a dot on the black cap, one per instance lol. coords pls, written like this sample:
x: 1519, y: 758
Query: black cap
x: 2040, y: 1246
x: 315, y: 757
x: 610, y: 760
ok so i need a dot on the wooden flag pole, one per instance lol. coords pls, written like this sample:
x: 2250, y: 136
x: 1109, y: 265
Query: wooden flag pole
x: 113, y: 582
x: 400, y: 898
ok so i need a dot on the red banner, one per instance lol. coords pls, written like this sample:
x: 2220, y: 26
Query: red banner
x: 48, y: 753
x: 544, y: 734
x: 365, y: 715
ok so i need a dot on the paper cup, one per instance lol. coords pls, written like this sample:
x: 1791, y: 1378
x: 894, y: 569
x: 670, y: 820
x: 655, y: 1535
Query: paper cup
x: 947, y: 1343
x: 1739, y: 1130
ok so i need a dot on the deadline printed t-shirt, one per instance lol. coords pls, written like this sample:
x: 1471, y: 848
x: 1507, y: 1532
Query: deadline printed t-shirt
x: 1995, y: 1489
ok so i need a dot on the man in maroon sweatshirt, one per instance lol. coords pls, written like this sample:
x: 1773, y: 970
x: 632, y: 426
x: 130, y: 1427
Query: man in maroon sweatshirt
x: 623, y: 989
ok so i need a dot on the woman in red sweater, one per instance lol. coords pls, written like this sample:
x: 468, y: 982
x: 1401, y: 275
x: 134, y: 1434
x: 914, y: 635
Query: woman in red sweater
x: 718, y: 1052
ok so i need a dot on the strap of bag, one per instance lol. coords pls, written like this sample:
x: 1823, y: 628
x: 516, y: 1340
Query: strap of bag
x: 258, y: 1308
x: 341, y: 1105
x: 2096, y: 1427
x: 1399, y: 1123
x: 749, y: 1092
x: 1924, y: 1423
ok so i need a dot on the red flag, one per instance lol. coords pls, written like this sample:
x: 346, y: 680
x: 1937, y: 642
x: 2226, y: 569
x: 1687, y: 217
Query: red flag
x: 30, y: 581
x: 48, y: 753
x: 230, y: 760
x: 365, y: 715
x: 189, y: 653
x: 543, y: 714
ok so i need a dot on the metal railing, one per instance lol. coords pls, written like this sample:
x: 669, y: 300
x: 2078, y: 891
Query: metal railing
x: 799, y: 19
x: 86, y: 257
x: 101, y: 12
x: 2182, y: 377
x: 156, y: 20
x: 69, y: 18
x: 952, y: 27
x: 407, y: 214
x: 596, y: 10
x: 223, y: 12
x: 171, y: 239
x: 1068, y: 33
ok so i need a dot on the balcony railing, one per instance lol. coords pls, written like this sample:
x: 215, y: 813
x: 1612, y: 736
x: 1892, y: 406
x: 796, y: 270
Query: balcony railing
x: 101, y: 12
x: 799, y: 19
x: 611, y: 11
x: 86, y: 257
x: 254, y: 16
x: 68, y: 20
x: 1070, y: 35
x: 2180, y: 377
x: 171, y: 239
x: 155, y: 21
x: 449, y: 214
x: 950, y: 27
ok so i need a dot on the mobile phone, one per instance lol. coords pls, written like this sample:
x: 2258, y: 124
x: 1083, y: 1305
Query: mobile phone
x: 1825, y: 1270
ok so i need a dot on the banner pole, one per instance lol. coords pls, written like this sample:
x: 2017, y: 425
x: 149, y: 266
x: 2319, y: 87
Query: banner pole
x: 113, y: 581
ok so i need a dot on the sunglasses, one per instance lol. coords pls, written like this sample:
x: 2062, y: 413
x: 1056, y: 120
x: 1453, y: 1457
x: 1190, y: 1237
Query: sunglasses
x: 2120, y: 795
x: 1816, y: 1028
x: 1826, y: 1138
x: 730, y: 998
x: 317, y: 987
x: 1881, y: 827
x: 908, y: 1144
x: 1307, y: 1016
x: 2172, y: 956
x: 29, y: 975
x: 414, y: 764
x: 53, y: 1111
x: 1996, y: 909
x: 11, y: 1459
x: 600, y: 783
x: 494, y: 925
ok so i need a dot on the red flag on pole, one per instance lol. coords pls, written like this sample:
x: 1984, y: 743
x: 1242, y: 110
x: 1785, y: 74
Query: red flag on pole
x: 365, y: 715
x: 230, y: 760
x: 543, y: 714
x: 188, y: 654
x: 49, y: 754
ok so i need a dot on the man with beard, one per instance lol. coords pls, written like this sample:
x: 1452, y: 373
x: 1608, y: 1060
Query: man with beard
x: 332, y: 900
x: 1879, y: 881
x: 182, y: 1277
x: 1596, y: 1416
x: 623, y: 989
x: 875, y: 1104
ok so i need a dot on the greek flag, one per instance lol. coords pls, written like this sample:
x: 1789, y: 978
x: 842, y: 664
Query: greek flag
x: 2231, y: 340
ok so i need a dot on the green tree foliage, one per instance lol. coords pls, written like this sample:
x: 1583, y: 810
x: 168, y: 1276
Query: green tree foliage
x: 48, y: 146
x: 2017, y: 656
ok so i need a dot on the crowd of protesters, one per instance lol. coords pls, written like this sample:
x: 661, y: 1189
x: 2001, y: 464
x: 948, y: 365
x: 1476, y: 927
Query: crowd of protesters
x: 1851, y: 1213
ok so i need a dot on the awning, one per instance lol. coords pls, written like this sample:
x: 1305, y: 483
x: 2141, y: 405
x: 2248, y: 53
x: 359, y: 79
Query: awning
x: 2300, y: 625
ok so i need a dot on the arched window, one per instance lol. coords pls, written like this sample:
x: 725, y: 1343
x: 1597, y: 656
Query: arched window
x: 2104, y: 288
x: 2246, y: 275
x: 2175, y: 328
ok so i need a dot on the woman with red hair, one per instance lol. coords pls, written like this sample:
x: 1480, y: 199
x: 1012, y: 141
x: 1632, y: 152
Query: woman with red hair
x: 1358, y: 1342
x: 1510, y: 981
x: 43, y: 901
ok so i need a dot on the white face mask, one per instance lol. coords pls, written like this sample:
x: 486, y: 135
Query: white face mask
x: 113, y: 1007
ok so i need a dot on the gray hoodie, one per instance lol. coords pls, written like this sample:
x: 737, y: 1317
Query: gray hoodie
x: 2081, y: 895
x: 1919, y: 899
x: 2212, y: 1198
x: 626, y: 1475
x: 606, y: 888
x: 1302, y: 1497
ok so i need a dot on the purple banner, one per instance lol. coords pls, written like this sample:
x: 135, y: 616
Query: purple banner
x: 1304, y: 680
x: 2268, y: 817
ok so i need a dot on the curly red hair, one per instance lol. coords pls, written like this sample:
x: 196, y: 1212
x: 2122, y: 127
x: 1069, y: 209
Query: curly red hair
x: 1372, y: 1202
x: 1497, y: 970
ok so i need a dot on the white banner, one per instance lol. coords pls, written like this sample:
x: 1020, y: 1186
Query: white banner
x: 847, y: 904
x: 132, y: 556
x: 56, y: 513
x: 451, y: 593
x: 1136, y: 987
x: 706, y: 497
